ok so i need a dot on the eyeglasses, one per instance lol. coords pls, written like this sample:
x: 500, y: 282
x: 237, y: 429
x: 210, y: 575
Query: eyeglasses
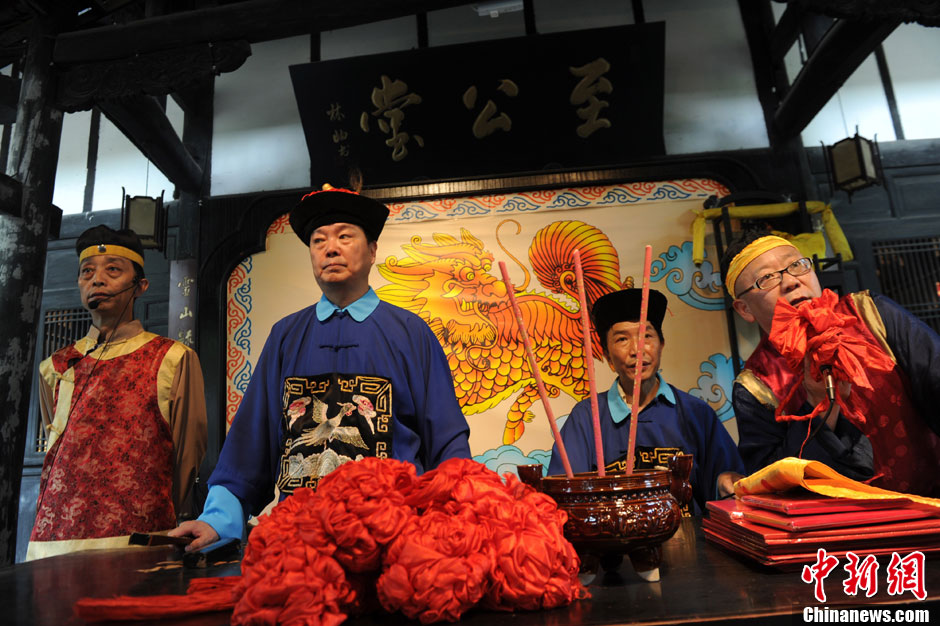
x: 771, y: 280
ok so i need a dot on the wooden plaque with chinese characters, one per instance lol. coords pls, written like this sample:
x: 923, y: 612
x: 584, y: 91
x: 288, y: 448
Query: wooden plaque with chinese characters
x: 558, y: 101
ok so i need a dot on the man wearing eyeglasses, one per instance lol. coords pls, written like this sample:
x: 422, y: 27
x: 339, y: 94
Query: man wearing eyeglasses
x: 894, y: 444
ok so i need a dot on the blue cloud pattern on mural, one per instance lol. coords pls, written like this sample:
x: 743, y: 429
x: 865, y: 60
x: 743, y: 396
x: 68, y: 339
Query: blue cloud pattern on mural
x: 670, y: 192
x: 618, y: 196
x: 505, y: 459
x: 714, y: 385
x: 569, y: 200
x: 518, y: 204
x: 243, y: 377
x: 697, y: 286
x: 467, y: 208
x: 242, y: 335
x: 414, y: 213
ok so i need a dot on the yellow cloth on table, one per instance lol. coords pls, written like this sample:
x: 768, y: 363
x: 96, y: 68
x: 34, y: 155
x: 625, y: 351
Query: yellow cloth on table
x: 819, y: 478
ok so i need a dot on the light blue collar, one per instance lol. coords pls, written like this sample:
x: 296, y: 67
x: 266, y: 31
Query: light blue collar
x: 358, y: 310
x: 620, y: 410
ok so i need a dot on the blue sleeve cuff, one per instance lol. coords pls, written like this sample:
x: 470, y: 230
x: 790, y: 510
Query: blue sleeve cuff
x: 224, y: 512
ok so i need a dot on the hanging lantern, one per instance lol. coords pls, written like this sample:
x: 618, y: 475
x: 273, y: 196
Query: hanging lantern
x: 147, y: 217
x: 854, y: 163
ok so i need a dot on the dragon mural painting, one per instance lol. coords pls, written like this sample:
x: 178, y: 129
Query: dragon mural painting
x: 450, y: 284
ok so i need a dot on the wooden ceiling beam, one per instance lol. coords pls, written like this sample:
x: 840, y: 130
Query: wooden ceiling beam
x: 252, y: 20
x: 144, y: 122
x: 154, y: 73
x: 843, y: 48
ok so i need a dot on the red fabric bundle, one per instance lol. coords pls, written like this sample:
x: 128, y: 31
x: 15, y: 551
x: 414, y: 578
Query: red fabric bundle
x: 289, y: 574
x: 534, y: 565
x: 814, y: 328
x: 437, y: 567
x: 431, y: 547
x: 205, y: 595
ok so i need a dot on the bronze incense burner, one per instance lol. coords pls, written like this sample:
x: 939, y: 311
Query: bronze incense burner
x: 619, y: 514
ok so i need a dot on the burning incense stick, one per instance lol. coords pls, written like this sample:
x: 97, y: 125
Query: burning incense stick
x: 589, y: 364
x: 534, y: 366
x: 638, y: 376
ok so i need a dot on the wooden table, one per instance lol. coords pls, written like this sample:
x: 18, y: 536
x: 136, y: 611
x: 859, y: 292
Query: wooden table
x: 700, y: 582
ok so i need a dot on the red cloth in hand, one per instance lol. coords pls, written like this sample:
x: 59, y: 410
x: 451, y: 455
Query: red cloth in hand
x: 814, y: 329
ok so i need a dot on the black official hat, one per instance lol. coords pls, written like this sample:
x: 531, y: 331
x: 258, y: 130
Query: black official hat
x: 104, y: 240
x: 332, y: 205
x: 624, y: 306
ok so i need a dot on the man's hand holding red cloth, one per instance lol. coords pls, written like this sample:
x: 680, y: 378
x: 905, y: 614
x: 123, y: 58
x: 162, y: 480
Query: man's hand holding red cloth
x: 813, y: 335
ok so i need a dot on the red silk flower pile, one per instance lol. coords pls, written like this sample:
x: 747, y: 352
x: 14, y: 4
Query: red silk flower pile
x: 375, y: 535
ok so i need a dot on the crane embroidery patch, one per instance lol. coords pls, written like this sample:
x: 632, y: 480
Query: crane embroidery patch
x: 329, y: 420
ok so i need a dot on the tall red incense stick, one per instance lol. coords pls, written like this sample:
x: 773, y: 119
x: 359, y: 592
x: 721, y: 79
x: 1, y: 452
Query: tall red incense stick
x: 638, y: 376
x: 534, y: 366
x: 589, y: 364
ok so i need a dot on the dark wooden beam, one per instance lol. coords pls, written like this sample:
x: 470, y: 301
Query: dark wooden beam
x: 252, y: 20
x: 23, y: 241
x: 889, y: 92
x: 528, y: 16
x: 814, y: 27
x: 9, y: 97
x: 11, y: 195
x: 155, y: 73
x: 144, y: 122
x: 838, y: 54
x: 786, y: 31
x: 197, y: 138
x: 91, y: 161
x: 421, y: 20
x: 639, y: 16
x: 769, y: 72
x: 770, y: 77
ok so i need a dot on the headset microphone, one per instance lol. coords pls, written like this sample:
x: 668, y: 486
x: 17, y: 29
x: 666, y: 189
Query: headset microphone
x: 94, y: 304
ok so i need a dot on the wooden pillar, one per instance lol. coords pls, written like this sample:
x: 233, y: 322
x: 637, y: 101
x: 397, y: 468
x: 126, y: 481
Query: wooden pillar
x: 197, y: 104
x: 33, y: 159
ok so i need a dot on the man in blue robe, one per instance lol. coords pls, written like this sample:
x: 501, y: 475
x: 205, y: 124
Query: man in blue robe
x: 670, y: 421
x: 346, y: 378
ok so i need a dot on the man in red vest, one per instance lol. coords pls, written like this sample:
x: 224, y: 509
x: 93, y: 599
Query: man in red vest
x: 124, y: 411
x: 879, y: 426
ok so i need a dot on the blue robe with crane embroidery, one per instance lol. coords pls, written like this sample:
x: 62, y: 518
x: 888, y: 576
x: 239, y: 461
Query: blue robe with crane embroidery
x: 322, y: 378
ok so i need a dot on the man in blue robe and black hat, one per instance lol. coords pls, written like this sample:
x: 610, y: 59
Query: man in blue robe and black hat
x: 670, y: 421
x: 346, y: 378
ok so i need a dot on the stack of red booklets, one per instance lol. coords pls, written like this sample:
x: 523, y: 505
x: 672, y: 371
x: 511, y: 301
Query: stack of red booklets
x: 785, y: 530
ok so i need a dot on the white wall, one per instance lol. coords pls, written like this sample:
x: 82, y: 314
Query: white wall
x: 257, y: 142
x: 913, y: 55
x: 711, y: 98
x: 69, y: 193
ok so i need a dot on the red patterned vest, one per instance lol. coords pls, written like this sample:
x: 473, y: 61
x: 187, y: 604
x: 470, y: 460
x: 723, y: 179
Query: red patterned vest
x: 111, y: 472
x: 906, y: 451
